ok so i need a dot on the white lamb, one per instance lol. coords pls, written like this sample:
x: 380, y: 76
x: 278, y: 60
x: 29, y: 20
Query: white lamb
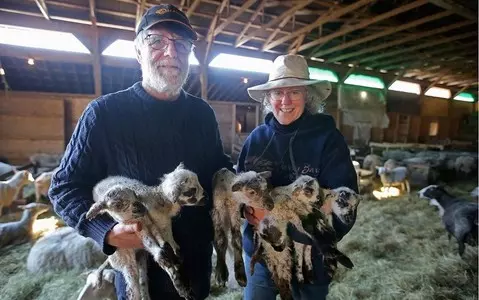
x: 9, y: 189
x: 100, y: 284
x: 42, y: 184
x: 229, y: 192
x: 397, y: 176
x: 128, y: 200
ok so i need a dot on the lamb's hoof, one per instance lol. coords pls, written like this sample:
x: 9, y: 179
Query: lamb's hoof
x: 221, y: 275
x: 240, y: 276
x: 186, y: 294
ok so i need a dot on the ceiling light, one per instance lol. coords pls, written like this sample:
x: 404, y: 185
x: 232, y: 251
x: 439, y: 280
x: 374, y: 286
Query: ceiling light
x: 31, y: 61
x: 2, y: 71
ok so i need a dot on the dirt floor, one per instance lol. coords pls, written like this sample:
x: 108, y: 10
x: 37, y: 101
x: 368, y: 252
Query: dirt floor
x: 399, y: 248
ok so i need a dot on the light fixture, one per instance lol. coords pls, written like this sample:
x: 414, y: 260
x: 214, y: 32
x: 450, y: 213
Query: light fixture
x: 465, y: 97
x: 317, y: 59
x: 350, y: 65
x: 363, y: 95
x: 2, y: 71
x: 383, y: 71
x: 245, y: 80
x: 31, y: 61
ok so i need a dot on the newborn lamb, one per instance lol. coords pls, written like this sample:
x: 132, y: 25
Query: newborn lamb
x: 229, y: 192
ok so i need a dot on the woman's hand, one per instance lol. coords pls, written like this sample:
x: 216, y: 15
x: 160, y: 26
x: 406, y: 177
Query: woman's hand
x: 254, y: 215
x: 125, y: 236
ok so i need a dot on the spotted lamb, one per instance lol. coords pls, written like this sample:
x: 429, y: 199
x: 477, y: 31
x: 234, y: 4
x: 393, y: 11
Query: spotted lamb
x: 229, y: 192
x: 10, y: 189
x: 128, y: 200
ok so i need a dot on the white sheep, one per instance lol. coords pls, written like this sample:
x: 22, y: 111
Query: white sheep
x: 464, y: 165
x: 13, y: 233
x: 128, y: 200
x: 371, y: 161
x: 100, y: 284
x: 42, y: 184
x: 9, y: 189
x: 64, y: 249
x: 397, y: 176
x: 229, y: 192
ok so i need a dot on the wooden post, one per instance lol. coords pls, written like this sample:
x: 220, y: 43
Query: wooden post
x: 256, y: 112
x: 200, y: 53
x: 233, y: 127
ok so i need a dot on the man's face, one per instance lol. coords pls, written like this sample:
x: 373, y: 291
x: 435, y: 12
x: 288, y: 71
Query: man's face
x: 164, y: 63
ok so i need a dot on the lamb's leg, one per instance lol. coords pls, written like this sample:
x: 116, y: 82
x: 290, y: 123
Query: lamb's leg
x: 167, y: 260
x: 258, y: 252
x: 308, y: 263
x: 236, y: 238
x: 221, y: 244
x: 37, y: 194
x: 143, y: 274
x: 98, y: 282
x: 298, y: 252
x: 1, y: 210
x: 130, y: 273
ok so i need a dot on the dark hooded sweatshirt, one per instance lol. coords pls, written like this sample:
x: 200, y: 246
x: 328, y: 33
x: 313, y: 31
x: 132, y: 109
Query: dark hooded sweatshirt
x: 132, y: 134
x: 310, y: 146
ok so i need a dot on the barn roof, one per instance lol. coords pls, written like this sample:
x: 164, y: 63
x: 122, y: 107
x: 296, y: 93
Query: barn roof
x: 432, y: 42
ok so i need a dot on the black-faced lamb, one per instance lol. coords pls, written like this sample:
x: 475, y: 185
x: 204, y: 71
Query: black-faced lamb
x: 459, y: 216
x: 128, y: 200
x: 9, y: 189
x: 13, y: 233
x: 230, y: 191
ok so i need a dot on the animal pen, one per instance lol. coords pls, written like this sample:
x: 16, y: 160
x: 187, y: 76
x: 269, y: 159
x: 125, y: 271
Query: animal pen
x: 405, y: 89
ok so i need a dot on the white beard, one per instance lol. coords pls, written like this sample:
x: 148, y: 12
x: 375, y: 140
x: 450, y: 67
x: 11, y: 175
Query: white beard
x: 165, y: 80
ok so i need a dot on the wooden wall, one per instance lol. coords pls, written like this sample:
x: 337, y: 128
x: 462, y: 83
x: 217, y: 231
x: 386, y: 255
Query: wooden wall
x: 43, y: 123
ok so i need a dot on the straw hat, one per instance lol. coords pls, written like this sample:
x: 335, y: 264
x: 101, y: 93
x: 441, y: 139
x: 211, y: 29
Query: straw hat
x: 289, y: 71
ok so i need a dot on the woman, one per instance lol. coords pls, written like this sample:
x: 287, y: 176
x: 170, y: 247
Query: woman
x: 295, y: 139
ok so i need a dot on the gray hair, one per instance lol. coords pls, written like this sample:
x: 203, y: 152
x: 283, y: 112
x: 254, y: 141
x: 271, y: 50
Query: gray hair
x: 139, y: 39
x: 313, y: 104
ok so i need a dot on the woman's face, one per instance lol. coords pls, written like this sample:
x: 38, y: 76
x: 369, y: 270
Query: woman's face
x: 287, y: 103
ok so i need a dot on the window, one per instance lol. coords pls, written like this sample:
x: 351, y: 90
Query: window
x: 433, y: 128
x: 406, y: 87
x: 438, y: 92
x: 364, y: 80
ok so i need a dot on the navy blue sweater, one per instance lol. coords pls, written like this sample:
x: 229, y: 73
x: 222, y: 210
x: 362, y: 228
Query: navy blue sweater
x: 132, y: 134
x: 310, y: 146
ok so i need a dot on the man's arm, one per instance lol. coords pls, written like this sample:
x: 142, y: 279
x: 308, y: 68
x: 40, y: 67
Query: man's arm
x: 337, y: 170
x: 82, y: 166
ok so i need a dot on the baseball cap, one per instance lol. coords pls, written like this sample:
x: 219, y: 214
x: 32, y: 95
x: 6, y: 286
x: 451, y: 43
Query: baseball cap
x: 169, y: 14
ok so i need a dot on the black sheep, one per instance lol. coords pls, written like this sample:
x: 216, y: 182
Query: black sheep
x: 459, y: 216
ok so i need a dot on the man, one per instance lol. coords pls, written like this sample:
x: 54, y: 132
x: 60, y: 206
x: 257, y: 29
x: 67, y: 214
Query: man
x: 144, y: 132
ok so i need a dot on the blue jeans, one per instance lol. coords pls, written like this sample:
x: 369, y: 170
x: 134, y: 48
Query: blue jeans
x: 260, y: 286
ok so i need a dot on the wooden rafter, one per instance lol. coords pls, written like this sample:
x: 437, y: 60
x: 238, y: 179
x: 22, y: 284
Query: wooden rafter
x: 192, y: 8
x: 92, y: 10
x: 384, y: 33
x: 456, y: 8
x: 211, y: 31
x: 233, y: 16
x: 43, y: 8
x: 140, y: 9
x: 276, y: 31
x: 294, y: 48
x: 250, y: 22
x: 364, y: 24
x: 332, y: 15
x: 273, y: 22
x: 418, y: 47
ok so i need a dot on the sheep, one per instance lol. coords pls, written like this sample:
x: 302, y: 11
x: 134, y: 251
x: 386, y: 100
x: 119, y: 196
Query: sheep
x: 10, y: 189
x: 13, y: 233
x: 475, y: 193
x: 100, y: 284
x: 394, y: 177
x: 459, y: 216
x: 390, y: 164
x: 64, y: 249
x: 465, y: 165
x: 371, y: 161
x: 230, y: 191
x: 42, y: 184
x: 128, y: 200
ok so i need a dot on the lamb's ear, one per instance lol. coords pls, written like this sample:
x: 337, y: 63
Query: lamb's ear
x: 265, y: 174
x: 95, y: 210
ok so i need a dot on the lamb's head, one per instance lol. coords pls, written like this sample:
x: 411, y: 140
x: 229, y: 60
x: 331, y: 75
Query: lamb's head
x: 223, y: 177
x: 381, y: 170
x: 273, y: 232
x: 24, y: 177
x: 305, y: 189
x: 253, y: 189
x: 344, y: 204
x: 183, y: 187
x: 36, y: 208
x: 121, y: 203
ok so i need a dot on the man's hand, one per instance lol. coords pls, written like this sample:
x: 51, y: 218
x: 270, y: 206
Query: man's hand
x: 254, y: 215
x: 125, y: 236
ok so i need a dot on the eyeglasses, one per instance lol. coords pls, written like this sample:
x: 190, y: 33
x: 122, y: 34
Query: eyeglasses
x: 161, y: 42
x: 294, y: 95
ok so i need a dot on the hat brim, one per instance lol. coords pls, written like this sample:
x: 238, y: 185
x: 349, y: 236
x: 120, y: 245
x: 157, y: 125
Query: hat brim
x: 188, y: 30
x: 322, y: 87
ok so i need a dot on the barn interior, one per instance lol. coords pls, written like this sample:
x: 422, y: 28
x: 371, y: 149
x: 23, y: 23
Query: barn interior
x: 405, y: 90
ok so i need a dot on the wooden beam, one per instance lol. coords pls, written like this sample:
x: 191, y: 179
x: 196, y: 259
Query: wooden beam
x: 140, y: 9
x: 231, y: 18
x: 92, y: 10
x: 418, y: 47
x: 251, y: 20
x: 210, y: 35
x: 276, y: 31
x: 192, y: 8
x: 364, y: 24
x: 43, y: 8
x: 381, y: 46
x: 456, y: 8
x: 294, y: 48
x: 274, y: 21
x: 331, y: 16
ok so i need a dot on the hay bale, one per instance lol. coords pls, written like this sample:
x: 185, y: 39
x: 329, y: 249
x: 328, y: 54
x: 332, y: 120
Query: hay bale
x: 62, y: 250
